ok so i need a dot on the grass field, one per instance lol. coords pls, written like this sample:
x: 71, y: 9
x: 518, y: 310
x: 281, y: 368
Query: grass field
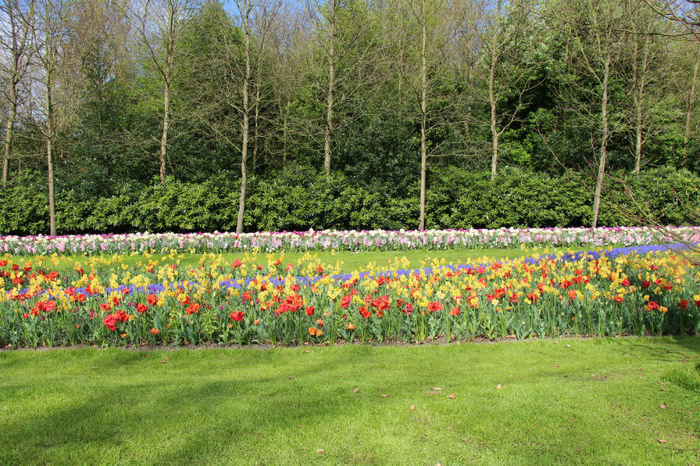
x: 622, y: 401
x: 348, y: 260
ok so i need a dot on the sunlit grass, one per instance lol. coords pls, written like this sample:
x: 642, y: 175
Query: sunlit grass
x: 346, y: 260
x: 543, y: 402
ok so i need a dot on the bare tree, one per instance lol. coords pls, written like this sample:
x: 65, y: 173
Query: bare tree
x: 508, y: 64
x: 254, y: 16
x: 16, y: 43
x: 244, y: 8
x: 685, y: 13
x: 51, y: 34
x: 342, y: 58
x: 262, y: 23
x: 423, y: 22
x: 646, y: 82
x: 158, y: 24
x: 324, y: 17
x: 596, y: 50
x: 288, y: 40
x: 227, y: 100
x: 690, y: 97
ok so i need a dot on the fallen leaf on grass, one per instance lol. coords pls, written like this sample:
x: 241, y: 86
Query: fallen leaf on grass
x: 437, y: 389
x: 165, y: 361
x: 291, y: 378
x: 498, y: 387
x: 413, y: 407
x: 356, y: 390
x: 452, y: 396
x: 660, y: 440
x: 307, y: 351
x: 94, y: 368
x: 555, y: 365
x: 663, y: 406
x: 319, y: 451
x: 384, y: 395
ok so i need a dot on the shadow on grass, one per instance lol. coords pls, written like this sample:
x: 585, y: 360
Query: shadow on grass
x: 685, y: 347
x: 222, y: 406
x: 189, y: 418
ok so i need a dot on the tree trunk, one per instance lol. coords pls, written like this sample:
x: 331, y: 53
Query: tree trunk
x: 166, y: 125
x: 329, y: 96
x: 640, y: 82
x: 638, y: 140
x: 170, y: 43
x: 9, y: 127
x: 18, y: 48
x: 49, y: 64
x: 284, y: 140
x: 423, y: 121
x: 603, y: 143
x: 52, y: 206
x: 467, y: 127
x: 256, y: 116
x: 689, y: 108
x: 494, y: 120
x: 244, y: 127
x: 50, y: 145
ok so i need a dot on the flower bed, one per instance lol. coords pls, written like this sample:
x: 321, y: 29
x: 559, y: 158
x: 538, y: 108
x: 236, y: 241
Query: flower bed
x: 375, y: 240
x: 243, y: 303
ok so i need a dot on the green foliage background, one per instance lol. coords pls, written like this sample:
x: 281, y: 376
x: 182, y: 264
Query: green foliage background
x: 107, y: 148
x: 301, y: 198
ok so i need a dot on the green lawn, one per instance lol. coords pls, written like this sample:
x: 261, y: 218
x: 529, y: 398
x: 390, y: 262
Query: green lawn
x: 625, y: 400
x: 348, y: 260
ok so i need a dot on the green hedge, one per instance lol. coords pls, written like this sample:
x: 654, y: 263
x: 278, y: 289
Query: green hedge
x: 300, y: 199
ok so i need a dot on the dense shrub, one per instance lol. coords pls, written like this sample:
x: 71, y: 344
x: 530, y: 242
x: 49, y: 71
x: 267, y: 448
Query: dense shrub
x: 300, y: 198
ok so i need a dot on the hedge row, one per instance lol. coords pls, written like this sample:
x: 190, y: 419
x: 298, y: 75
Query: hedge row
x: 302, y: 199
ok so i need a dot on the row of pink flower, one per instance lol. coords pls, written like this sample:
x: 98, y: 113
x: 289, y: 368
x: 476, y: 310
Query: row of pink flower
x: 371, y: 240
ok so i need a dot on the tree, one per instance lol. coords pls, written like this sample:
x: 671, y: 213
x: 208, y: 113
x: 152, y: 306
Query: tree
x: 342, y: 60
x: 50, y: 33
x: 647, y: 70
x: 422, y: 22
x: 17, y: 45
x: 689, y: 95
x: 221, y: 86
x: 685, y: 13
x: 597, y: 47
x: 285, y: 74
x: 159, y: 24
x: 244, y: 9
x: 509, y: 64
x: 99, y: 44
